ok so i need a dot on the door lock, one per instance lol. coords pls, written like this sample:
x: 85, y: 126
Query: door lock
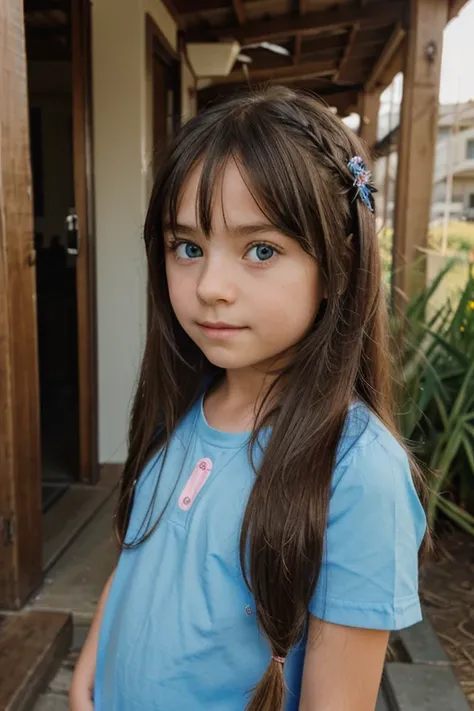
x: 72, y: 232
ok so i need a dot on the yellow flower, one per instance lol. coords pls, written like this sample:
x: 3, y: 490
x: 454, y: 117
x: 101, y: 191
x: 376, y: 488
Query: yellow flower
x: 471, y: 305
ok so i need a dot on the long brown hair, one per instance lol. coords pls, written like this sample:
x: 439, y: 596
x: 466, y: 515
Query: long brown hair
x: 293, y: 152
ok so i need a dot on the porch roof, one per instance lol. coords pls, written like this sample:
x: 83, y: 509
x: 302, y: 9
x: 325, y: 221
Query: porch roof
x: 336, y: 48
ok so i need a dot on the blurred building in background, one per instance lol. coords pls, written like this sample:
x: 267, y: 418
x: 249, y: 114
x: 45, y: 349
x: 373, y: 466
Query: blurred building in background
x: 453, y: 177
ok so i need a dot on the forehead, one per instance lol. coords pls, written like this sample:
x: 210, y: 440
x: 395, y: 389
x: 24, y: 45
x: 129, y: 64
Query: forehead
x: 231, y: 198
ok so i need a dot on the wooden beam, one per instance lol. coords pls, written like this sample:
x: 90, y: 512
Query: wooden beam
x: 321, y: 86
x: 455, y: 7
x: 390, y: 50
x: 20, y: 459
x: 326, y: 44
x: 418, y: 139
x: 331, y: 89
x: 297, y: 49
x: 319, y: 47
x: 283, y: 74
x: 394, y: 67
x: 343, y: 102
x: 347, y: 52
x: 374, y: 15
x: 302, y: 9
x: 357, y: 72
x: 369, y: 105
x: 341, y: 98
x: 335, y: 41
x: 239, y: 10
x: 85, y: 260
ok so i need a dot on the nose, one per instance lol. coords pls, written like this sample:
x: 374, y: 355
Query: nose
x: 216, y: 281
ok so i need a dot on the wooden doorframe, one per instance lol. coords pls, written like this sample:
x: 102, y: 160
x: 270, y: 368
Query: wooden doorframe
x: 158, y: 48
x: 86, y: 260
x: 20, y: 456
x: 21, y: 520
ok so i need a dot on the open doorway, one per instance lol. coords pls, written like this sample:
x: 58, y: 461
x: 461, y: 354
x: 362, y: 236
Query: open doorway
x: 55, y: 37
x: 50, y: 98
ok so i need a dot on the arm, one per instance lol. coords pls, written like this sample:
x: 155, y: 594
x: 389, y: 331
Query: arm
x: 81, y: 692
x: 342, y: 668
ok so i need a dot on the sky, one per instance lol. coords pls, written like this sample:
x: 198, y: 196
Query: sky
x: 457, y: 75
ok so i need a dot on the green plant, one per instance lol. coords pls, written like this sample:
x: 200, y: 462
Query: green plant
x: 437, y: 414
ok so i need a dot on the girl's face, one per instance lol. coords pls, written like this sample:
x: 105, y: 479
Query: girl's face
x: 246, y: 294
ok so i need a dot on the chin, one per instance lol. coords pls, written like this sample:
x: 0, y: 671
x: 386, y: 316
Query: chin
x: 228, y: 361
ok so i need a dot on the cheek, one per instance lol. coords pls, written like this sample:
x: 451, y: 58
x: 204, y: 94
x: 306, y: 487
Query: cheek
x: 177, y: 287
x: 291, y: 305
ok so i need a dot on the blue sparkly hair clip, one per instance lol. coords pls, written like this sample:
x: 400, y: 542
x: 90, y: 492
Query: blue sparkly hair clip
x: 362, y: 182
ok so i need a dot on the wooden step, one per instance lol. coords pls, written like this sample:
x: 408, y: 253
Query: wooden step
x: 32, y: 645
x: 423, y: 687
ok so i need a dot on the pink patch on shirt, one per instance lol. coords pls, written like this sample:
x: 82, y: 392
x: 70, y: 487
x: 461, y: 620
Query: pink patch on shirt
x: 196, y: 481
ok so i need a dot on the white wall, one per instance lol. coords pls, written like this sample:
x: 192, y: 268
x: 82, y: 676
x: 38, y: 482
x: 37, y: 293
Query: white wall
x: 119, y: 113
x: 188, y: 92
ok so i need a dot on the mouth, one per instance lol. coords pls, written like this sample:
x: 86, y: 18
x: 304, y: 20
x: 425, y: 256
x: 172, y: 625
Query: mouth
x: 219, y: 329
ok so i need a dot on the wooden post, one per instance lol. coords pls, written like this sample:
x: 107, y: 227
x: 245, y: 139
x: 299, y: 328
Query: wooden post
x: 20, y: 479
x: 369, y: 104
x: 417, y: 144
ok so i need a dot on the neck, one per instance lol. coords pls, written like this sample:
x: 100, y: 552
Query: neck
x: 233, y: 405
x: 246, y: 386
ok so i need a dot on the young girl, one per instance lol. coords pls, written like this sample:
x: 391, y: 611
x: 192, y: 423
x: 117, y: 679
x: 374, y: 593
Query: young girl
x: 268, y: 519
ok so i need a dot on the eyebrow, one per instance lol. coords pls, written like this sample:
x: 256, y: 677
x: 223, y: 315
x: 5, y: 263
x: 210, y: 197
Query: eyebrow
x: 239, y: 230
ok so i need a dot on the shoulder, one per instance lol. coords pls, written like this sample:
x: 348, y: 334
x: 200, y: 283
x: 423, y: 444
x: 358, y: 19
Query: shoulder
x: 372, y: 480
x: 369, y: 453
x: 369, y: 576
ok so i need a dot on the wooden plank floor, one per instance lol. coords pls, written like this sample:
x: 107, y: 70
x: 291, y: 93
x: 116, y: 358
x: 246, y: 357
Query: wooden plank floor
x: 32, y: 645
x: 56, y: 696
x: 64, y: 522
x: 76, y: 580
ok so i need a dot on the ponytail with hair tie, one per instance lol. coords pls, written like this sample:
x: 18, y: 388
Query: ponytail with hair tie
x: 270, y: 693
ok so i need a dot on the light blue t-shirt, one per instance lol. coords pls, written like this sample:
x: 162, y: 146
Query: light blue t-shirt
x: 179, y: 630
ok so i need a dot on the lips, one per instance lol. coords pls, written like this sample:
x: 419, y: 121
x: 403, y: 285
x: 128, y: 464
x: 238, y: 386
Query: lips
x: 220, y: 329
x: 220, y: 326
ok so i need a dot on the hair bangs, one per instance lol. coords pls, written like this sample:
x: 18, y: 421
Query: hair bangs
x: 272, y: 165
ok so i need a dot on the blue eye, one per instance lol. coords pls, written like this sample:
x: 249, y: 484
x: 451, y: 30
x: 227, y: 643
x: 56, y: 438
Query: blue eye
x: 188, y: 250
x: 261, y: 253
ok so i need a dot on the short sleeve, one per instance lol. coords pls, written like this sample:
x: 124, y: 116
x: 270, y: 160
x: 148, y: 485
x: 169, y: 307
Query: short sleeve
x: 369, y: 575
